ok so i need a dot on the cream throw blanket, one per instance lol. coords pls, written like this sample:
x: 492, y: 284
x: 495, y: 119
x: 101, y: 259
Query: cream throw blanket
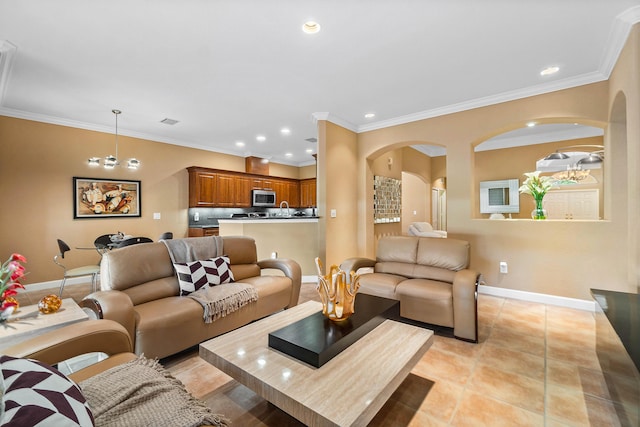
x: 216, y: 301
x: 194, y: 248
x: 143, y: 393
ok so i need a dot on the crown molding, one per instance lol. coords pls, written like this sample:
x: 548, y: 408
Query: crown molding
x: 617, y: 38
x: 486, y: 101
x: 336, y: 120
x: 124, y: 132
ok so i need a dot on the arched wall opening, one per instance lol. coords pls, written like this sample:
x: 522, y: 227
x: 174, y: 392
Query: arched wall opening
x: 504, y: 158
x: 418, y: 173
x: 620, y: 188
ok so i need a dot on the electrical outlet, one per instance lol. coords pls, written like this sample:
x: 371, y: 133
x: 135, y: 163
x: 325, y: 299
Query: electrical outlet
x: 504, y: 268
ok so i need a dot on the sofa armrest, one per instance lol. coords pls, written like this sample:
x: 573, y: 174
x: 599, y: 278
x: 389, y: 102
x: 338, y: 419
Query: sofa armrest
x: 112, y: 305
x: 104, y: 336
x: 291, y: 269
x: 465, y: 305
x: 354, y: 264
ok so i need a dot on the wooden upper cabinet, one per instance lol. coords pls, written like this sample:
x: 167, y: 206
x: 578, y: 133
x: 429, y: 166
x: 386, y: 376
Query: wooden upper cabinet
x: 202, y: 188
x: 293, y: 188
x: 226, y: 191
x: 217, y: 188
x: 308, y: 193
x: 243, y: 187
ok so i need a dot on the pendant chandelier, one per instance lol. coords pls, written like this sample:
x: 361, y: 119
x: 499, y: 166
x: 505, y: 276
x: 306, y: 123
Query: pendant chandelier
x: 111, y: 161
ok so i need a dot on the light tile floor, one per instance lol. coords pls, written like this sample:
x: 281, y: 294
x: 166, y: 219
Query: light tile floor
x: 535, y: 365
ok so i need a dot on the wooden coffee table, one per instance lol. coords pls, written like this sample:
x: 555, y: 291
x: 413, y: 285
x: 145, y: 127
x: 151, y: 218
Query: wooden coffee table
x: 348, y: 390
x: 29, y: 322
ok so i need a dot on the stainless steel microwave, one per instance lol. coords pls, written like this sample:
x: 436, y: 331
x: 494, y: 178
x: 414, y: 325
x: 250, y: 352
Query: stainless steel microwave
x: 264, y: 198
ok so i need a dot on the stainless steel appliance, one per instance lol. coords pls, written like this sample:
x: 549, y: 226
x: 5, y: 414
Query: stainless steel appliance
x: 264, y: 198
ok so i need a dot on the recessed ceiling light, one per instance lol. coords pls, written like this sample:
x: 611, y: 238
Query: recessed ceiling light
x: 369, y: 115
x: 285, y: 131
x: 531, y: 124
x: 311, y: 27
x: 239, y: 144
x: 261, y: 138
x: 288, y: 154
x: 309, y: 150
x: 549, y: 70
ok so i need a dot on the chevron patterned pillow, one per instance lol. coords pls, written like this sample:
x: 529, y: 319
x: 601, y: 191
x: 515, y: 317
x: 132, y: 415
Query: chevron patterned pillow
x: 35, y: 394
x: 194, y: 275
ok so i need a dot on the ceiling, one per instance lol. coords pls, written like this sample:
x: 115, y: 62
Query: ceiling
x: 230, y: 70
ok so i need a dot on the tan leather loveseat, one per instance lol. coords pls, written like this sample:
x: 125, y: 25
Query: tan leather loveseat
x: 430, y: 278
x: 140, y: 290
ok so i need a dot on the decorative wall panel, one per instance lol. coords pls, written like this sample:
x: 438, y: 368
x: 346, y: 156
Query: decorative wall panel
x: 387, y: 199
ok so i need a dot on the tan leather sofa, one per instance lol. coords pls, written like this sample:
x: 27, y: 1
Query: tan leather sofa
x: 430, y: 278
x: 100, y: 336
x: 140, y: 290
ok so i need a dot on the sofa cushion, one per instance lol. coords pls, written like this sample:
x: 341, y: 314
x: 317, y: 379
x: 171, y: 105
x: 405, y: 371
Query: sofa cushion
x: 428, y: 301
x: 450, y: 254
x: 34, y: 393
x: 194, y: 275
x: 127, y: 267
x: 397, y: 249
x: 380, y: 284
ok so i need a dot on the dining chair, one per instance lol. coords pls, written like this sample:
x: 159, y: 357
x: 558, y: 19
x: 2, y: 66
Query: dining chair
x: 133, y: 241
x: 87, y: 270
x: 167, y: 235
x: 102, y: 243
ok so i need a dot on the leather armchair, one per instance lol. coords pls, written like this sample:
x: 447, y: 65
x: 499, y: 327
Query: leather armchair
x: 80, y: 338
x: 105, y: 336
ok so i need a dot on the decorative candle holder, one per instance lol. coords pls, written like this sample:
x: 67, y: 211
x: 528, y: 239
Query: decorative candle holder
x: 338, y: 295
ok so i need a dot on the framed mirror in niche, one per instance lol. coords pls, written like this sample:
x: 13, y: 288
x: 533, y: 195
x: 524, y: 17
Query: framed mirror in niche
x: 387, y: 199
x: 499, y: 197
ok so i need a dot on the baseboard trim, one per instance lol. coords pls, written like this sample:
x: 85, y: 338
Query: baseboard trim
x: 578, y: 304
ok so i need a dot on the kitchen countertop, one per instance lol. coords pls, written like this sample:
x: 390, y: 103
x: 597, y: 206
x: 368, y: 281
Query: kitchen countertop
x: 254, y: 220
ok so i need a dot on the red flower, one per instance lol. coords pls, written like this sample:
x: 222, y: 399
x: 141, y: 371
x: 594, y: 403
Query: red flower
x: 18, y: 257
x: 17, y: 270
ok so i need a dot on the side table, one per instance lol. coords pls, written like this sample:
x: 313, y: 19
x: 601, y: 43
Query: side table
x: 29, y: 322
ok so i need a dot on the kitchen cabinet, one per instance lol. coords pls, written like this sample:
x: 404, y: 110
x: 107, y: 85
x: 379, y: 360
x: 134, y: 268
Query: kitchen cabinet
x: 308, y: 193
x: 243, y: 187
x: 572, y: 204
x: 261, y: 184
x: 203, y: 231
x: 287, y: 190
x: 218, y: 188
x: 202, y: 188
x: 225, y: 195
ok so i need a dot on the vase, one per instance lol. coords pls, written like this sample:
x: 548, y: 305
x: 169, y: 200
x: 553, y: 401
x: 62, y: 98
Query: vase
x: 539, y: 212
x: 337, y: 294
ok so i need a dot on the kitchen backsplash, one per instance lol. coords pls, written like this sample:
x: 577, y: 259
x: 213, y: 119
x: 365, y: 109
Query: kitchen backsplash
x: 204, y: 217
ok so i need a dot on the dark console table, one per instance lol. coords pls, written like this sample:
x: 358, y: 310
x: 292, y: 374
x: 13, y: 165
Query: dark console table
x: 618, y: 348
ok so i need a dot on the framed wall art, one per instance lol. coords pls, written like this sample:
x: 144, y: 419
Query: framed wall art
x: 106, y: 198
